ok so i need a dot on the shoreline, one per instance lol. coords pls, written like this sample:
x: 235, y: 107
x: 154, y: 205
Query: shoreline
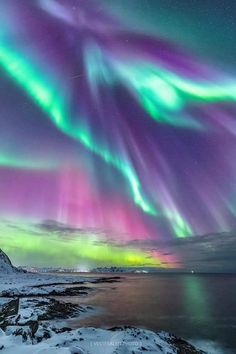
x: 31, y: 316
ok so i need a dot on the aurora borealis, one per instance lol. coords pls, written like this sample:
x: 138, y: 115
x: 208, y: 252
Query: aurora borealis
x: 115, y: 140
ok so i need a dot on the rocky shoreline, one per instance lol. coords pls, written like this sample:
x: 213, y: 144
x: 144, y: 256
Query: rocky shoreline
x: 32, y: 314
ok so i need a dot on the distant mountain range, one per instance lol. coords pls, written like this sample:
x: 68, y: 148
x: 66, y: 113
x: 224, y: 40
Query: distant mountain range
x: 121, y: 270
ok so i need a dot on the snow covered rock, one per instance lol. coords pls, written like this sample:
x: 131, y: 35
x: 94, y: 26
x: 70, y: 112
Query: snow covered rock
x: 6, y: 266
x: 126, y: 340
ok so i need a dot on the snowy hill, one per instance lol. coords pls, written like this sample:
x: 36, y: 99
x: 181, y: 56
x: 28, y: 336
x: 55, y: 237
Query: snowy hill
x: 6, y: 266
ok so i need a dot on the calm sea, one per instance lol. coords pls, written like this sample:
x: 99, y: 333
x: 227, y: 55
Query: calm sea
x: 201, y: 308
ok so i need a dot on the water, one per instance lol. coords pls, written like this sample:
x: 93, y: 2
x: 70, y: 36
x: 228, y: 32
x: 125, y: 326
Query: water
x: 197, y: 307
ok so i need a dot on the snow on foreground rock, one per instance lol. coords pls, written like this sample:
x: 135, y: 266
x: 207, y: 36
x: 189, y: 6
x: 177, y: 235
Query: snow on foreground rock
x: 98, y: 341
x: 36, y: 325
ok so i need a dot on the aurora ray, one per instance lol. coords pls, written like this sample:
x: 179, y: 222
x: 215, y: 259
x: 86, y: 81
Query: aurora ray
x: 134, y: 115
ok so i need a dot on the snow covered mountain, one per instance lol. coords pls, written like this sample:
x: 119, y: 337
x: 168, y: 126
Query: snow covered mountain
x: 6, y: 266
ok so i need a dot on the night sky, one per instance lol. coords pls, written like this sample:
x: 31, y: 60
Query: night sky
x: 117, y: 133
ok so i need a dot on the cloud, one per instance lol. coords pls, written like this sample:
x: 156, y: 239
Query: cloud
x: 211, y: 252
x: 53, y: 227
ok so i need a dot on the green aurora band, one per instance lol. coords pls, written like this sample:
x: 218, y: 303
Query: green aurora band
x: 66, y: 252
x: 154, y: 88
x: 46, y: 96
